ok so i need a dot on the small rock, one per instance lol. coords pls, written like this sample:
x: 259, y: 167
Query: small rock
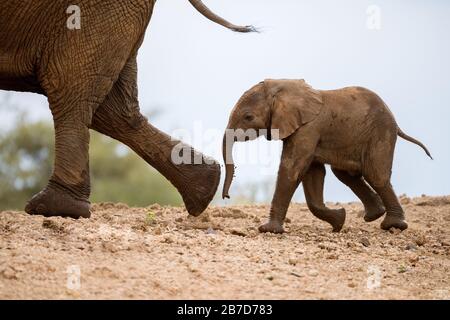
x: 351, y: 285
x: 414, y: 259
x: 237, y: 232
x: 256, y: 220
x: 158, y: 231
x: 395, y: 231
x: 49, y: 224
x: 295, y: 274
x: 411, y: 246
x: 313, y: 273
x: 365, y: 242
x: 168, y: 239
x: 108, y: 246
x: 9, y: 274
x: 402, y: 269
x: 270, y: 278
x: 405, y: 200
x: 293, y: 261
x: 420, y: 240
x: 179, y: 219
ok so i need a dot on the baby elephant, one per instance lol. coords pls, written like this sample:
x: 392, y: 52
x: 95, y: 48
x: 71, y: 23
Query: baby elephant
x: 350, y: 129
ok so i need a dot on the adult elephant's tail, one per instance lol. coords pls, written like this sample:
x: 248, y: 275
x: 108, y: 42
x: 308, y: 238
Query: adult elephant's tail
x: 415, y: 141
x: 204, y: 10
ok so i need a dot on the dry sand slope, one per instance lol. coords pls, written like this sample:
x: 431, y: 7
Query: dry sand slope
x: 158, y: 253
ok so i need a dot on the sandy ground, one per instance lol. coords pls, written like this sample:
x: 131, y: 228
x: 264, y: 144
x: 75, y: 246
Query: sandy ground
x: 161, y: 253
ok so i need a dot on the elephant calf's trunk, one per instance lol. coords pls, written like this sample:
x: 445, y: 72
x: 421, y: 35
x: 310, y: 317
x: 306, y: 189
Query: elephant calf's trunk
x: 227, y: 151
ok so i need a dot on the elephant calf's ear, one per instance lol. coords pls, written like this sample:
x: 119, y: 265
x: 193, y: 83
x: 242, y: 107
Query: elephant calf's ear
x: 293, y: 104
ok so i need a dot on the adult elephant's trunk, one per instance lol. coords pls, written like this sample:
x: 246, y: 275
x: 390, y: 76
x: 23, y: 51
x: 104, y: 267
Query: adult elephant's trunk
x: 227, y: 151
x: 204, y: 10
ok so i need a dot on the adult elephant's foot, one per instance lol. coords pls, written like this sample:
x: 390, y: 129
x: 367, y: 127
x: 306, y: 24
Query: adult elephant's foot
x: 392, y: 221
x: 201, y: 188
x: 52, y: 202
x: 272, y: 226
x: 374, y: 210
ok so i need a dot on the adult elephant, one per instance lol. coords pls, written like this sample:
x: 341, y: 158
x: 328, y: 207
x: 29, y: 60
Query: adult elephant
x: 89, y: 74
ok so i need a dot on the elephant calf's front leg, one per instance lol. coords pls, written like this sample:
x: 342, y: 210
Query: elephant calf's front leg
x: 313, y: 186
x: 294, y: 164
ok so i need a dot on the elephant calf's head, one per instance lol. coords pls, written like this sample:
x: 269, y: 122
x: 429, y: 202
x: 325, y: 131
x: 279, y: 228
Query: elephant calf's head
x: 274, y: 109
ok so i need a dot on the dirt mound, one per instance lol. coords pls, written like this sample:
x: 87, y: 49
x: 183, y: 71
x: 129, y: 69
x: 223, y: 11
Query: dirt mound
x: 160, y: 253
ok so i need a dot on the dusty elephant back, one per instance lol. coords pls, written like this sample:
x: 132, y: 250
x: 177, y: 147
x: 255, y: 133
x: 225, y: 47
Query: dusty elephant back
x: 352, y: 114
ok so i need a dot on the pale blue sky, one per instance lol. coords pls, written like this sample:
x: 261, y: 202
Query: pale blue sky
x: 195, y: 71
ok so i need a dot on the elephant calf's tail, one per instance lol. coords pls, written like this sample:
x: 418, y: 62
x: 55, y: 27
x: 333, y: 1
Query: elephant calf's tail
x: 411, y: 139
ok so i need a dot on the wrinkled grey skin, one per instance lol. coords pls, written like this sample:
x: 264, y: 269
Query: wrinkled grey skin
x: 350, y: 129
x: 89, y: 76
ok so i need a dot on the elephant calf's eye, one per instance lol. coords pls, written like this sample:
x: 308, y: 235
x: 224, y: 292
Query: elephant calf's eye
x: 248, y: 117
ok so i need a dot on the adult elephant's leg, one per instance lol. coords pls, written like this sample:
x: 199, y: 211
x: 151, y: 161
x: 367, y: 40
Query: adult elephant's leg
x: 372, y: 202
x: 67, y: 193
x: 313, y: 183
x: 119, y: 117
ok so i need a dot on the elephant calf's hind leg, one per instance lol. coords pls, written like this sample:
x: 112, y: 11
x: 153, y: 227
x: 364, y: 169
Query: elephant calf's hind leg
x: 395, y: 216
x: 373, y: 205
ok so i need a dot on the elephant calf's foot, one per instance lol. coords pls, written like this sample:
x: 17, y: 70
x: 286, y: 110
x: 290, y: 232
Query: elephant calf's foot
x: 50, y: 203
x: 394, y: 222
x: 375, y: 211
x: 337, y: 219
x: 272, y: 227
x: 334, y: 217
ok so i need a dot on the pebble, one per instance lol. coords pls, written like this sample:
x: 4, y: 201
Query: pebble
x: 411, y: 246
x: 237, y: 232
x: 421, y: 240
x: 395, y: 231
x: 168, y: 239
x: 313, y: 273
x: 296, y: 274
x: 293, y: 261
x: 414, y: 259
x: 365, y: 242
